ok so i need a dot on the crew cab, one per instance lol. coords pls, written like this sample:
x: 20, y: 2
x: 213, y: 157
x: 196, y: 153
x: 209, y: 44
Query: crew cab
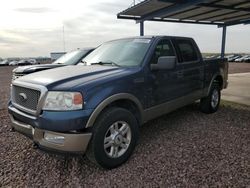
x: 97, y: 107
x: 70, y: 58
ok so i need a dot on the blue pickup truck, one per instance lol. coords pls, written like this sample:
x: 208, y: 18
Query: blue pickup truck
x: 97, y: 107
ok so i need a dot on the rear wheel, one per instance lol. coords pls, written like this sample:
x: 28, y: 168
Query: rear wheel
x: 210, y: 104
x: 115, y: 134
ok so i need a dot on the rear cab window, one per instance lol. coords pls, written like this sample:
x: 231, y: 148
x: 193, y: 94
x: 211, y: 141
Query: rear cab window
x: 187, y: 50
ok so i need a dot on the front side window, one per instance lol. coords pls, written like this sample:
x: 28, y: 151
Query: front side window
x: 163, y: 48
x: 187, y: 50
x: 124, y: 53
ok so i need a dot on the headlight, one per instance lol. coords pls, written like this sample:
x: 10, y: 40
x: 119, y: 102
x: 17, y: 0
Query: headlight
x: 62, y: 101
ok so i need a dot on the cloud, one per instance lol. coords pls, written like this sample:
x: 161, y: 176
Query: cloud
x: 35, y: 10
x: 9, y: 37
x: 28, y: 43
x: 91, y: 23
x: 110, y: 7
x: 8, y: 41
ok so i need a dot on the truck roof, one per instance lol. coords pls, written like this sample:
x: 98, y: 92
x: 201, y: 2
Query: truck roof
x: 153, y: 36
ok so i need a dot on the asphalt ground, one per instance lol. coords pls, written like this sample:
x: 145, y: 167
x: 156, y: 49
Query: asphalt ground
x: 238, y: 89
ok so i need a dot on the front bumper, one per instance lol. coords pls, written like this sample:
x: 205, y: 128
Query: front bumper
x: 70, y: 142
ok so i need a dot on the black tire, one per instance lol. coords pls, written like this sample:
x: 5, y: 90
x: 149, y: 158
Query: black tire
x: 206, y: 103
x: 96, y: 152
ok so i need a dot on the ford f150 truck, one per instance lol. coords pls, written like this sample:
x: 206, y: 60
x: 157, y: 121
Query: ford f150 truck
x: 70, y: 58
x: 96, y: 108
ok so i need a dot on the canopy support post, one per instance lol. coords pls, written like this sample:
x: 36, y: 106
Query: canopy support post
x: 141, y: 28
x: 223, y: 45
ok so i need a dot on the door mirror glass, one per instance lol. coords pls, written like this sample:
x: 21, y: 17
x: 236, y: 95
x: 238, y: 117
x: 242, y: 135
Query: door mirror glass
x: 164, y: 63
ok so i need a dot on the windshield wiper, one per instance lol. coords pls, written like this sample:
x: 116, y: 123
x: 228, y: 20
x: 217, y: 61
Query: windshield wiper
x: 106, y: 63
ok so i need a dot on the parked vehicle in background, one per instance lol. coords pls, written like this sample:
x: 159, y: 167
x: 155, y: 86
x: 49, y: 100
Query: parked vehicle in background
x: 243, y: 58
x: 97, y: 107
x: 71, y: 58
x: 213, y: 57
x: 247, y: 60
x: 33, y: 61
x: 23, y: 62
x: 4, y: 63
x: 13, y: 63
x: 229, y: 56
x: 233, y: 58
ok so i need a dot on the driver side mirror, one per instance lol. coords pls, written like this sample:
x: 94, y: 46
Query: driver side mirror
x: 164, y: 63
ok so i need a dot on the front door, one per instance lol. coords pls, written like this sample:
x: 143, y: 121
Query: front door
x: 165, y: 85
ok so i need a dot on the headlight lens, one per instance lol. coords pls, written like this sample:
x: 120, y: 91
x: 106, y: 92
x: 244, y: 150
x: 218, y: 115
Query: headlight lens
x: 62, y: 101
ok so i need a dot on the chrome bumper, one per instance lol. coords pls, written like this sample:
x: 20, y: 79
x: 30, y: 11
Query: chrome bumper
x: 72, y: 142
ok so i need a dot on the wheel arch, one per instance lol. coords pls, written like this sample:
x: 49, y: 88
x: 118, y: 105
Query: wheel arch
x: 124, y: 100
x: 216, y: 79
x: 219, y: 79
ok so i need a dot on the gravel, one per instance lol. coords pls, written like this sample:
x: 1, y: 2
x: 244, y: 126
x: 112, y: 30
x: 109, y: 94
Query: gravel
x: 5, y: 79
x: 183, y: 149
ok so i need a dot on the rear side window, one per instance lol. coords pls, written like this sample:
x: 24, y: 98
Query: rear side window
x: 163, y: 48
x: 187, y: 50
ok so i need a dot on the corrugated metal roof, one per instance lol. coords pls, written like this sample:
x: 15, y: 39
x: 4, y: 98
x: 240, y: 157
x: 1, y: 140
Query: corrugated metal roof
x: 218, y: 12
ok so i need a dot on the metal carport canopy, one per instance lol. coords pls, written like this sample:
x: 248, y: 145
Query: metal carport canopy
x: 212, y: 12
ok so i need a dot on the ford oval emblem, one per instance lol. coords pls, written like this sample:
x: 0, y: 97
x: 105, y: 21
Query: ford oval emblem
x: 23, y: 97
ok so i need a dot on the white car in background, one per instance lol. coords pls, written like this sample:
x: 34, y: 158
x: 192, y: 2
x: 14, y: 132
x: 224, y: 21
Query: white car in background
x: 24, y: 62
x: 33, y: 61
x: 243, y: 59
x: 13, y: 63
x: 4, y: 63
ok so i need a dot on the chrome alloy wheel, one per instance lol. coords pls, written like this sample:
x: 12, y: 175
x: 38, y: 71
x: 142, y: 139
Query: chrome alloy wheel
x: 215, y: 98
x: 117, y: 139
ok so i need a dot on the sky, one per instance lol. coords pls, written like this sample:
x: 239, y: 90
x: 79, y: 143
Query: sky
x: 31, y: 28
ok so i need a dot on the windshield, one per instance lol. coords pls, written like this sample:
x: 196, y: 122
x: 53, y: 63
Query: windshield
x: 125, y: 53
x: 71, y: 58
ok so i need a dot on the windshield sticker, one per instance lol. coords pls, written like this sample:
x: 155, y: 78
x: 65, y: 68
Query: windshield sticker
x: 142, y: 40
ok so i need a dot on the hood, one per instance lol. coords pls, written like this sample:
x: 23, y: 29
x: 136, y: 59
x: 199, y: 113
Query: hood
x: 35, y: 68
x: 70, y: 75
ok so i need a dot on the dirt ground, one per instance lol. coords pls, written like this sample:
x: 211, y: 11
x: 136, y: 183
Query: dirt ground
x: 185, y: 148
x: 238, y: 68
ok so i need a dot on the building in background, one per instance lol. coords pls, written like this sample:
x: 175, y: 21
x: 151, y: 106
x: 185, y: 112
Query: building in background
x: 43, y: 60
x: 55, y: 55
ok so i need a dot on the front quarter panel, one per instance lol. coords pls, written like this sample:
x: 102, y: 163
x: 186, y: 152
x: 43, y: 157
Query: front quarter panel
x: 129, y: 87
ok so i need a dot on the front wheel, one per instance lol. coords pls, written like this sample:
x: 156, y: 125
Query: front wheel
x: 115, y: 134
x: 210, y: 104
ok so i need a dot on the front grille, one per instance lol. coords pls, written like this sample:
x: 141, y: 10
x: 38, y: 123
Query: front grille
x: 17, y: 75
x: 25, y: 97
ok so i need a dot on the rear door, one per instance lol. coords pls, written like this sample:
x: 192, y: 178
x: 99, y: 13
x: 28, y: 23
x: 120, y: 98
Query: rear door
x: 192, y: 70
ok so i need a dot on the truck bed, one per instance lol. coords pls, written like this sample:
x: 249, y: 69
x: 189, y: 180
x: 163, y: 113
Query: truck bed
x: 219, y: 65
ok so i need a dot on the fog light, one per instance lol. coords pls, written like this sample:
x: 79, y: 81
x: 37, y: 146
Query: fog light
x: 56, y: 139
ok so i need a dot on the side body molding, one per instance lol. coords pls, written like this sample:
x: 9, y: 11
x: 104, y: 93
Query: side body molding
x: 109, y: 100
